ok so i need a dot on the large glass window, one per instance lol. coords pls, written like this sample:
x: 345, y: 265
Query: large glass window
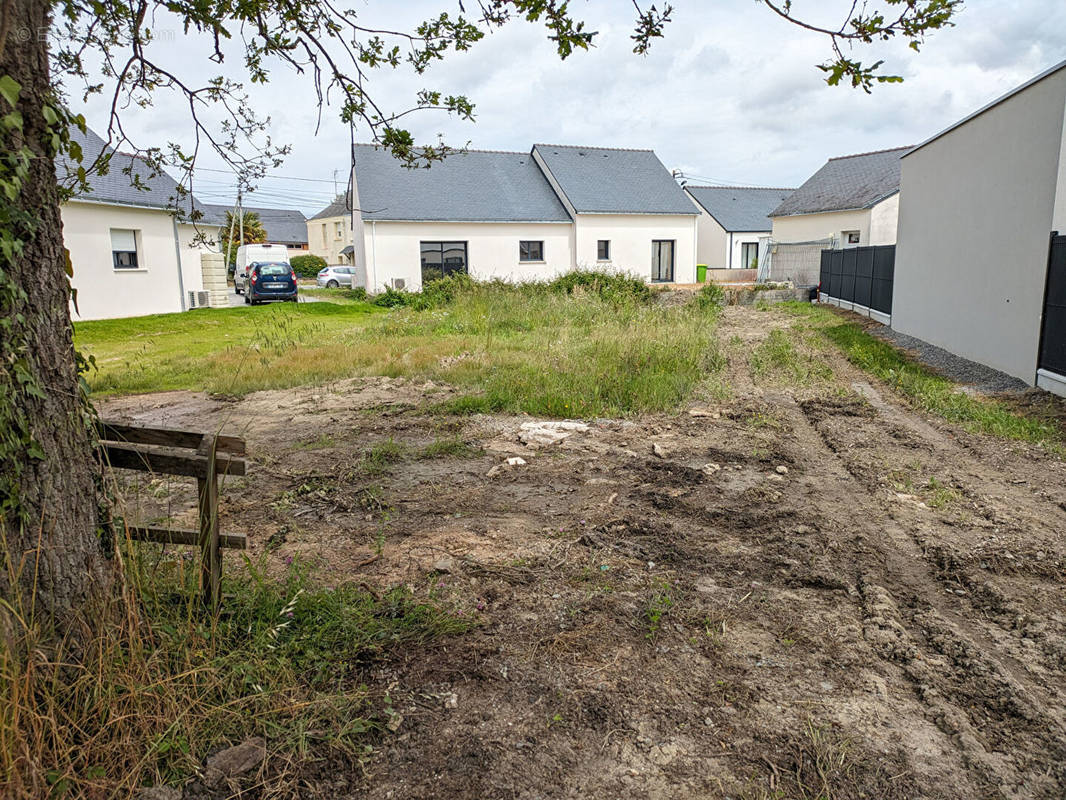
x: 531, y: 251
x: 749, y: 255
x: 662, y: 260
x: 440, y: 259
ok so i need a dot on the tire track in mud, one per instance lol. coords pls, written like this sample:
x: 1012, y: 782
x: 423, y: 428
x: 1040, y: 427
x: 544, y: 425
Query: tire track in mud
x: 989, y: 705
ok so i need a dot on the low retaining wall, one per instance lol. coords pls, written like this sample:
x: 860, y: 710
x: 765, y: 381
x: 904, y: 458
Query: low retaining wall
x: 732, y: 275
x: 749, y: 297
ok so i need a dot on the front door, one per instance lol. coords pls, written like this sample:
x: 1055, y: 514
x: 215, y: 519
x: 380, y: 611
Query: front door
x: 440, y: 259
x: 662, y: 261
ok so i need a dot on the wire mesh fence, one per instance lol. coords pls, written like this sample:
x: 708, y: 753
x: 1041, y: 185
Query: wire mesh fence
x: 799, y: 262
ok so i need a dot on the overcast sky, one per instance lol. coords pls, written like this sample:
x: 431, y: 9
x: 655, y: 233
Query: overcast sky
x: 731, y: 95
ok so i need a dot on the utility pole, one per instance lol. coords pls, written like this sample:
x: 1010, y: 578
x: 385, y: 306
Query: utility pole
x: 240, y: 212
x: 334, y: 183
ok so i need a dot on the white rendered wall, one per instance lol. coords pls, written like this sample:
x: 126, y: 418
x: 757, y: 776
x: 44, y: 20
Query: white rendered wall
x: 103, y: 291
x: 976, y: 213
x: 884, y: 222
x: 631, y: 236
x: 393, y: 249
x: 812, y: 227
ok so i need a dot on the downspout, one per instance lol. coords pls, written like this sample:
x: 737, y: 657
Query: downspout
x: 695, y: 245
x: 374, y: 252
x: 177, y: 253
x: 731, y: 250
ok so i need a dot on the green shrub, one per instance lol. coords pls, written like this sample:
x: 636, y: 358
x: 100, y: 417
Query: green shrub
x: 392, y: 298
x: 307, y: 266
x: 609, y: 286
x: 710, y: 296
x: 441, y: 291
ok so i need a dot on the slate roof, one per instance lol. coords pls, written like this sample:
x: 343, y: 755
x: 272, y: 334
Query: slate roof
x: 846, y: 183
x: 116, y: 186
x: 340, y: 207
x: 739, y: 209
x: 471, y: 186
x: 600, y: 180
x: 282, y: 225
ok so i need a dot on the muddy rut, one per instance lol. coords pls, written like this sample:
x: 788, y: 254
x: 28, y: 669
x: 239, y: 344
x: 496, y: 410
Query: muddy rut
x: 793, y: 592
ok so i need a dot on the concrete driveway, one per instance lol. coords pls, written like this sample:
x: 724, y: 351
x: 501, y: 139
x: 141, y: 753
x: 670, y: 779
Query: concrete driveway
x: 238, y: 299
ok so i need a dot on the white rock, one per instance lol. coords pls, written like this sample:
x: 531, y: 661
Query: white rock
x: 782, y: 469
x: 659, y: 450
x: 543, y: 434
x: 710, y: 469
x: 516, y: 461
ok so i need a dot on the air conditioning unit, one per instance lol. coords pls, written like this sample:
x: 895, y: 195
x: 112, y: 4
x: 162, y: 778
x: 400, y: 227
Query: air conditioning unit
x: 199, y: 299
x: 399, y: 283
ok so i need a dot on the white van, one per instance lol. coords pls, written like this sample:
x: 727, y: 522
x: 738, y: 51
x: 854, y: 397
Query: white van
x: 248, y: 254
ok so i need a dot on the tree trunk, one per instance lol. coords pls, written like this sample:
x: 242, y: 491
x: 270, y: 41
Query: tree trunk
x: 53, y: 554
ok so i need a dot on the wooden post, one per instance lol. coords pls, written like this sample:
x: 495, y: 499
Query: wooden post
x: 210, y: 553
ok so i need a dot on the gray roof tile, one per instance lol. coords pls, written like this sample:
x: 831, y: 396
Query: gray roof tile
x: 739, y: 208
x: 475, y: 185
x: 847, y: 182
x: 340, y: 207
x: 599, y: 180
x: 160, y: 191
x: 282, y: 225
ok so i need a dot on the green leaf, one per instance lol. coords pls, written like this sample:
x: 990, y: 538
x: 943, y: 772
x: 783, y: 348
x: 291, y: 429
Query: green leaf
x: 10, y: 89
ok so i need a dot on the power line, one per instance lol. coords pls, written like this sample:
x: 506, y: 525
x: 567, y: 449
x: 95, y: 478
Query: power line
x: 269, y: 177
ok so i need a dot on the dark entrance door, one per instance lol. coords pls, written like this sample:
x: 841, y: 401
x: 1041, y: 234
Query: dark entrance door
x: 662, y: 260
x: 1053, y: 334
x: 440, y: 259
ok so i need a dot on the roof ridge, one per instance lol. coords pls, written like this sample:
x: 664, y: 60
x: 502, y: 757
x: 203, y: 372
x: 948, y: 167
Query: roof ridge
x: 763, y: 188
x: 596, y: 147
x: 873, y: 152
x: 459, y: 150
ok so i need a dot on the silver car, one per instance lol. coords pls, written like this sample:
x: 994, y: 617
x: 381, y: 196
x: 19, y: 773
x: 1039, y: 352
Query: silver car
x: 335, y: 276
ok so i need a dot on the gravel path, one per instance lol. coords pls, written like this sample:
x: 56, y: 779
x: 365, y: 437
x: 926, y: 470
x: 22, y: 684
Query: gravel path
x: 981, y: 378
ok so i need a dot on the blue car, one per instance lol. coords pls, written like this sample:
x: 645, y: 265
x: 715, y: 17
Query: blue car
x: 270, y: 281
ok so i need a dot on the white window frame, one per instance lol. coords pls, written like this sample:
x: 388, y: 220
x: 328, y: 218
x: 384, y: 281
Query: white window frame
x: 135, y: 235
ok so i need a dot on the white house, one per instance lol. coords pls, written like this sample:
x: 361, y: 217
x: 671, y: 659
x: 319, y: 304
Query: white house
x: 520, y: 216
x: 132, y: 252
x: 123, y: 240
x: 851, y: 200
x: 732, y: 221
x: 977, y: 271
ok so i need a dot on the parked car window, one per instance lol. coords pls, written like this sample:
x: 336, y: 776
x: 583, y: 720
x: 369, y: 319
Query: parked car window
x: 273, y: 269
x: 531, y: 251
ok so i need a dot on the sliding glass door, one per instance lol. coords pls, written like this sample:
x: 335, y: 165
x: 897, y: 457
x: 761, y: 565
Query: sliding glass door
x: 662, y: 261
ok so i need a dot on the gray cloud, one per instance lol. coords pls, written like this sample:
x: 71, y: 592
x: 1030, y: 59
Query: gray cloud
x: 732, y: 93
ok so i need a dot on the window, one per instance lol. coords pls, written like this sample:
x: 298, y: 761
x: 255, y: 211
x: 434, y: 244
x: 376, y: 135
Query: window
x: 339, y: 229
x: 850, y: 238
x: 325, y: 236
x: 662, y: 260
x: 440, y: 259
x: 124, y: 249
x: 749, y: 255
x: 531, y: 251
x: 603, y: 250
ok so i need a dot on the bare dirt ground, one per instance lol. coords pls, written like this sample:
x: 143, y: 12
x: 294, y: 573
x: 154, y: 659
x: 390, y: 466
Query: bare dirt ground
x: 808, y: 592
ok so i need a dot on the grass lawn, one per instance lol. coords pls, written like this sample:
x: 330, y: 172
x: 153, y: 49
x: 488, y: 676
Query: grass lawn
x: 923, y: 387
x: 529, y: 348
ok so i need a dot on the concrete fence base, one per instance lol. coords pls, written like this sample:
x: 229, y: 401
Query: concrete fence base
x: 749, y: 297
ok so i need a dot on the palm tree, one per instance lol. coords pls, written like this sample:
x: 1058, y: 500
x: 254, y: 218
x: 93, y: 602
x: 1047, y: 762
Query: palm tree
x: 254, y: 233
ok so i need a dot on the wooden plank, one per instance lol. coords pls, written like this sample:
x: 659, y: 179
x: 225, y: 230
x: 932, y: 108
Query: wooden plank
x: 168, y: 437
x: 210, y: 555
x: 144, y: 458
x: 229, y: 541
